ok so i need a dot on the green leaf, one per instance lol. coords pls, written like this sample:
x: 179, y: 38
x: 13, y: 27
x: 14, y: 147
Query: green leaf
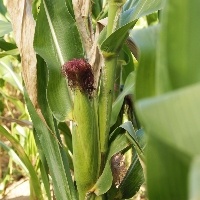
x: 152, y: 18
x: 179, y: 44
x: 142, y: 8
x: 70, y: 7
x: 7, y: 73
x: 96, y: 8
x: 132, y: 181
x: 12, y: 52
x: 67, y: 134
x: 36, y: 8
x: 129, y: 4
x: 57, y: 40
x: 194, y: 179
x: 63, y: 186
x: 134, y: 177
x: 43, y: 166
x: 171, y: 120
x: 51, y: 126
x: 141, y: 138
x: 176, y: 111
x: 13, y: 155
x: 128, y: 89
x: 6, y: 46
x: 129, y: 65
x: 3, y: 11
x: 146, y: 39
x: 5, y: 28
x: 114, y: 42
x: 131, y: 136
x: 105, y: 180
x: 24, y: 158
x: 42, y: 81
x: 171, y: 117
x: 173, y: 166
x: 45, y: 180
x: 118, y: 143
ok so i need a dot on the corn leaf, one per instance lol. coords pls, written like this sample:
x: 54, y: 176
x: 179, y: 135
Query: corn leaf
x: 13, y: 155
x: 105, y: 180
x: 179, y: 46
x: 3, y: 11
x: 45, y: 180
x: 8, y: 74
x: 170, y: 116
x: 119, y: 141
x: 51, y: 125
x: 130, y: 4
x: 63, y: 186
x: 6, y: 46
x: 145, y: 39
x: 132, y: 181
x: 12, y: 52
x: 62, y: 126
x: 115, y: 41
x: 57, y: 40
x: 194, y: 179
x: 141, y: 8
x: 43, y: 166
x: 5, y: 28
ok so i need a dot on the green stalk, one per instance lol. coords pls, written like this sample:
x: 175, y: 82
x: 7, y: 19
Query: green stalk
x: 105, y: 102
x: 85, y: 143
x: 113, y: 14
x: 107, y: 80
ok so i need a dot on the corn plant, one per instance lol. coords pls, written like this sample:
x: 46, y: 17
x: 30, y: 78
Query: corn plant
x: 87, y: 133
x: 82, y: 59
x: 78, y: 65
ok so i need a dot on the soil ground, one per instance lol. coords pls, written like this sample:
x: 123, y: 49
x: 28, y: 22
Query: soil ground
x: 18, y: 191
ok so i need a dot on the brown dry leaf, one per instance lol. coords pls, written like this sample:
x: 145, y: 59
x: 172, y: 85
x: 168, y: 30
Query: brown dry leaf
x: 82, y: 11
x: 24, y: 27
x: 83, y: 21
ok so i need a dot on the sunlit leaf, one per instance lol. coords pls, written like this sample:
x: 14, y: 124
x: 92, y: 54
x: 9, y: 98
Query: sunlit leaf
x: 178, y: 46
x: 145, y: 39
x: 141, y: 8
x: 115, y: 41
x: 5, y: 28
x: 8, y: 74
x: 194, y: 179
x: 14, y: 156
x: 12, y: 52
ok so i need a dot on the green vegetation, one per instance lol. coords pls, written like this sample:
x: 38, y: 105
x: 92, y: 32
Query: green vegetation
x: 112, y: 91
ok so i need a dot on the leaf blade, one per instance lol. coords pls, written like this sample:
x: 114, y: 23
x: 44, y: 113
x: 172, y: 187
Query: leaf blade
x: 57, y: 40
